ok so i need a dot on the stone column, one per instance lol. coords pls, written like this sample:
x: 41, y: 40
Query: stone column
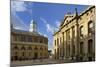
x: 71, y: 45
x: 76, y: 40
x: 64, y: 45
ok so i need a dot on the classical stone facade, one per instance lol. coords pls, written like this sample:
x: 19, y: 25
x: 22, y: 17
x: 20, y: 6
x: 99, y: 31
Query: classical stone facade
x: 27, y: 45
x: 75, y: 39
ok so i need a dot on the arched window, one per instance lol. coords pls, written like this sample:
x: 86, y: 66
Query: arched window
x: 23, y: 48
x: 41, y: 48
x: 29, y: 48
x: 81, y: 31
x: 35, y: 48
x: 41, y: 41
x: 16, y: 47
x: 90, y: 27
x: 16, y: 58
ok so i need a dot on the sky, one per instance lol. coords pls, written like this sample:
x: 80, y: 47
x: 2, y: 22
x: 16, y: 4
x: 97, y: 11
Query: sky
x: 48, y: 16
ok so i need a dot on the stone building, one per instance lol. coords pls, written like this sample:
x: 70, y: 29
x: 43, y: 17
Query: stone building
x: 28, y: 45
x: 75, y: 39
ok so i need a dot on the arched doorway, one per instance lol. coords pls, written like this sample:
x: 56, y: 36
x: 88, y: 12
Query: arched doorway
x: 81, y: 50
x: 35, y: 55
x: 90, y: 49
x: 16, y: 58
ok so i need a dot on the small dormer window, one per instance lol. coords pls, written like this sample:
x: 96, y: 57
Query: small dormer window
x: 91, y: 11
x: 80, y: 18
x: 87, y: 14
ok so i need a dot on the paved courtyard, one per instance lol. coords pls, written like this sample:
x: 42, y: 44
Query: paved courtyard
x: 38, y: 62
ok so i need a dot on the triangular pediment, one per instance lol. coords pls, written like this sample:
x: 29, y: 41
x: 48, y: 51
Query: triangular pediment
x: 67, y: 18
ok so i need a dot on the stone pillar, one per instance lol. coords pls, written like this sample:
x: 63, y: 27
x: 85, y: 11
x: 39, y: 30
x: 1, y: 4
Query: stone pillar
x: 59, y: 48
x: 94, y: 41
x: 64, y: 45
x: 71, y: 43
x: 75, y: 41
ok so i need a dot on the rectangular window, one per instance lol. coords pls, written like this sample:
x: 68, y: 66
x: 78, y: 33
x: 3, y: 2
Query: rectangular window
x: 81, y: 31
x: 41, y: 40
x: 55, y: 42
x: 81, y: 48
x: 73, y: 32
x: 90, y: 27
x: 22, y: 38
x: 15, y: 37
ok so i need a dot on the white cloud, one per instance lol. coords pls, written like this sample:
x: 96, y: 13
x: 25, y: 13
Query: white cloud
x: 57, y: 24
x: 17, y: 22
x: 43, y: 34
x: 18, y: 6
x: 50, y: 29
x: 44, y: 21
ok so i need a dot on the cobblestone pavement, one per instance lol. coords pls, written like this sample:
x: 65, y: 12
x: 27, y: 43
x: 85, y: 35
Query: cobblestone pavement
x: 38, y: 62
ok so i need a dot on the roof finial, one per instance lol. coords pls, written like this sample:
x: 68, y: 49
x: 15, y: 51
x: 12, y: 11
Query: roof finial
x: 76, y: 11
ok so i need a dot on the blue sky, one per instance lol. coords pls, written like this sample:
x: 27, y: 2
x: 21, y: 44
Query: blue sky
x: 47, y: 16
